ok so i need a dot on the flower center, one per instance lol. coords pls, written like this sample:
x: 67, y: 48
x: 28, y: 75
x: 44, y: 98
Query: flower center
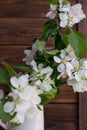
x: 21, y: 89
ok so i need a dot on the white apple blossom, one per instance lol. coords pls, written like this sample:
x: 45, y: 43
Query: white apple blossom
x: 24, y: 108
x: 71, y: 16
x: 24, y: 90
x: 1, y: 94
x: 31, y: 53
x: 76, y: 14
x: 25, y: 97
x: 63, y: 19
x: 45, y: 85
x: 80, y: 86
x: 65, y: 66
x: 78, y: 80
x: 22, y: 81
x: 41, y: 76
x: 40, y: 70
x: 20, y: 104
x: 53, y: 11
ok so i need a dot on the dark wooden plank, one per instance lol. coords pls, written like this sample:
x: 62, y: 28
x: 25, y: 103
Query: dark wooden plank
x: 20, y: 31
x: 61, y: 112
x: 23, y: 8
x: 61, y: 116
x: 66, y: 95
x: 83, y: 96
x: 60, y: 125
x: 11, y: 53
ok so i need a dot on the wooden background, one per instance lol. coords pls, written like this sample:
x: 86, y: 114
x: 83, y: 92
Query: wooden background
x: 20, y: 22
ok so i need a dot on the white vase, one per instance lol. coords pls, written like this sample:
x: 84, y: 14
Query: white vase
x: 35, y: 123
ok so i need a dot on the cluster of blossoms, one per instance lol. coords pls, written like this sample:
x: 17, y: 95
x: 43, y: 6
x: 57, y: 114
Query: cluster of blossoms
x: 72, y: 68
x: 68, y: 14
x: 25, y: 93
x: 44, y: 69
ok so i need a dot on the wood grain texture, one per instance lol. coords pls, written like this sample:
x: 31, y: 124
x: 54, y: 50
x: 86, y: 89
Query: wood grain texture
x: 61, y: 116
x: 20, y: 31
x: 23, y: 8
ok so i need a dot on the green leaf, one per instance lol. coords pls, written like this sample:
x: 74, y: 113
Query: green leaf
x: 55, y: 2
x: 39, y: 46
x: 77, y: 41
x: 3, y: 115
x: 53, y: 52
x: 9, y: 68
x: 49, y: 30
x: 46, y: 97
x: 4, y: 78
x: 24, y: 68
x: 58, y: 42
x: 13, y: 124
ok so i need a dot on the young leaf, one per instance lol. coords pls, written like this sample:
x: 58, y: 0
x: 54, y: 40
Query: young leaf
x: 46, y: 97
x: 13, y: 124
x: 9, y: 68
x: 49, y: 30
x: 39, y: 46
x: 58, y: 41
x: 4, y: 78
x: 55, y: 2
x: 24, y: 68
x: 77, y: 41
x: 53, y: 52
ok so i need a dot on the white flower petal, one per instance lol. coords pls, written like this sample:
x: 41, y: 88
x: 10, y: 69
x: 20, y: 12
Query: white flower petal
x: 65, y: 8
x: 75, y: 15
x: 85, y: 64
x: 38, y: 83
x: 51, y: 15
x: 22, y: 106
x: 27, y: 52
x: 63, y: 16
x: 23, y: 80
x: 53, y: 7
x: 63, y: 54
x: 69, y: 68
x: 61, y: 68
x: 63, y: 23
x: 57, y: 59
x: 46, y: 87
x: 14, y: 82
x: 9, y: 107
x: 48, y: 70
x: 85, y: 74
x: 34, y: 65
x: 77, y: 77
